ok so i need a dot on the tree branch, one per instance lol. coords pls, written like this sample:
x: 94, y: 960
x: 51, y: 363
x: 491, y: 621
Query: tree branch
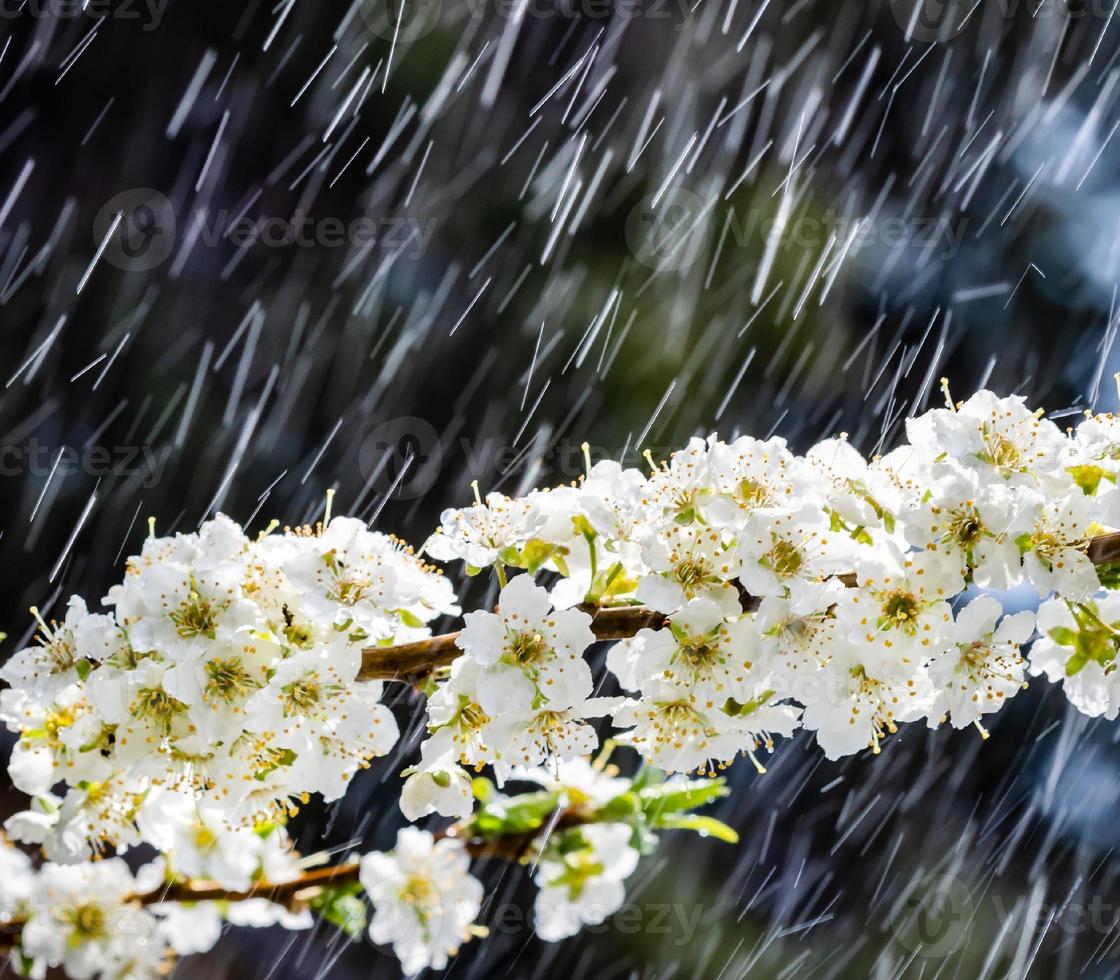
x: 295, y: 894
x: 413, y: 662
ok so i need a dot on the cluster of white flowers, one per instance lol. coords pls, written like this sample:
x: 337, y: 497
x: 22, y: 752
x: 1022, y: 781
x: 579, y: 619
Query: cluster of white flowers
x: 223, y: 684
x: 96, y: 919
x: 756, y: 592
x: 519, y: 695
x: 826, y: 591
x: 581, y: 870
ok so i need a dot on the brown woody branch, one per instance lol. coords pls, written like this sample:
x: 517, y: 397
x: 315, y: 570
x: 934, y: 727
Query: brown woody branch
x: 416, y: 661
x: 1104, y: 550
x: 297, y: 893
x: 413, y: 662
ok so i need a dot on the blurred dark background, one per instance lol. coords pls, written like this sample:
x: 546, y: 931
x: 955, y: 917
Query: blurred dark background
x: 251, y: 252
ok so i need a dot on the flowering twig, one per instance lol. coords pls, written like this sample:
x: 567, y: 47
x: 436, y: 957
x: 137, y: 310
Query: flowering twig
x: 291, y: 894
x: 297, y: 892
x: 249, y: 648
x: 415, y: 661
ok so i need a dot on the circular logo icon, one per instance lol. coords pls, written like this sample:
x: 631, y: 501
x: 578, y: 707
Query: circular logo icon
x: 145, y: 233
x: 401, y: 457
x: 667, y: 234
x: 404, y: 21
x: 933, y: 919
x: 928, y: 21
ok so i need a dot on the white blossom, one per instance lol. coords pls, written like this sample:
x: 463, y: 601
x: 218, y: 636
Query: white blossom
x: 85, y: 922
x: 1077, y: 648
x: 583, y: 885
x: 479, y: 534
x: 424, y: 899
x: 982, y: 666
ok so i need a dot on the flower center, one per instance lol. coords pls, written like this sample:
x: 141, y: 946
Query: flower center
x: 228, y: 680
x: 1045, y: 545
x: 698, y: 653
x: 882, y: 721
x: 349, y: 591
x: 691, y: 571
x: 301, y: 695
x: 88, y: 921
x: 528, y: 648
x: 901, y: 609
x: 157, y: 706
x: 752, y: 493
x: 470, y: 714
x: 56, y: 721
x: 58, y: 654
x: 1002, y: 452
x: 347, y: 588
x: 204, y: 838
x: 196, y: 617
x: 785, y: 558
x: 965, y: 528
x: 419, y: 893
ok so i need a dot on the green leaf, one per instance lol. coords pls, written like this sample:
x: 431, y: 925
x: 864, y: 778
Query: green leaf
x: 1063, y: 636
x: 737, y: 710
x: 342, y: 906
x: 704, y: 826
x: 1076, y: 663
x: 642, y: 839
x: 410, y: 619
x: 646, y: 776
x: 675, y: 796
x: 620, y: 808
x: 514, y: 816
x: 862, y: 535
x: 509, y: 555
x: 278, y: 758
x: 1089, y: 643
